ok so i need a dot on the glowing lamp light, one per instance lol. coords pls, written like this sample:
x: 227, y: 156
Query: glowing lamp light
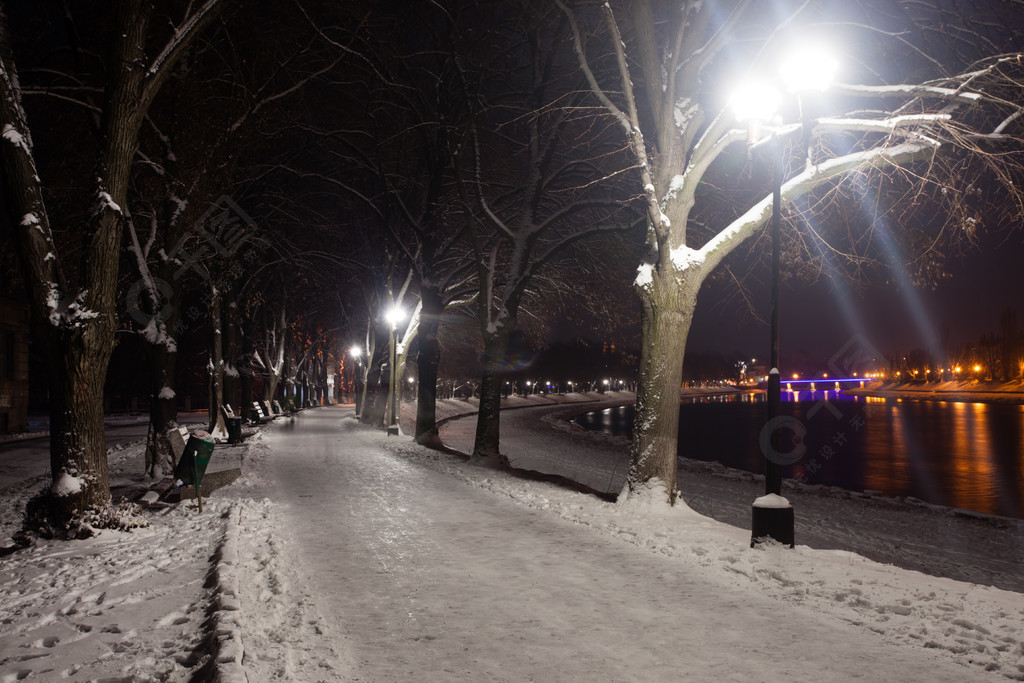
x: 977, y: 368
x: 355, y: 351
x: 808, y: 68
x: 394, y: 316
x: 755, y: 101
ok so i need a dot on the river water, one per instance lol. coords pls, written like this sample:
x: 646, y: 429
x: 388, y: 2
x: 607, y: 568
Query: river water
x: 961, y: 455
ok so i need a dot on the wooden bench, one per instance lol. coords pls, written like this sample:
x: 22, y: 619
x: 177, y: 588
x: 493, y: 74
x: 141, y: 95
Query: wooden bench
x: 277, y: 408
x: 268, y: 411
x: 258, y: 414
x: 178, y: 437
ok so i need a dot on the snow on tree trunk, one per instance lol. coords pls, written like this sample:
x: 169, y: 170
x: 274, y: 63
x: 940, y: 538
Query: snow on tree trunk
x: 216, y: 367
x: 230, y: 329
x: 428, y: 361
x: 163, y: 411
x: 367, y: 368
x: 668, y: 306
x: 273, y: 355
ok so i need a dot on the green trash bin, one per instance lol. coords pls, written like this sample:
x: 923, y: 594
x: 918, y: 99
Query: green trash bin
x: 234, y: 427
x: 194, y: 460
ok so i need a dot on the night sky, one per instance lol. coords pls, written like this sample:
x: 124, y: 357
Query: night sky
x: 984, y: 283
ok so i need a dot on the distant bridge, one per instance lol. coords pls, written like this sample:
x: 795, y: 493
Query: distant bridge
x: 823, y: 384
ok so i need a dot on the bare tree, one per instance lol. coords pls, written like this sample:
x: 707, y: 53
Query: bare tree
x: 73, y: 304
x: 192, y: 158
x: 913, y: 139
x: 536, y: 179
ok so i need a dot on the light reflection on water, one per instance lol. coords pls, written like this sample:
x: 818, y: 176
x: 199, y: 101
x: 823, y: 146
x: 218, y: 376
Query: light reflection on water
x: 966, y: 455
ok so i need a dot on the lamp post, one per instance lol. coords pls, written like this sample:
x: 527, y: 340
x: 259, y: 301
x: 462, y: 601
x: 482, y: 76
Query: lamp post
x: 357, y: 353
x: 806, y: 70
x: 394, y: 316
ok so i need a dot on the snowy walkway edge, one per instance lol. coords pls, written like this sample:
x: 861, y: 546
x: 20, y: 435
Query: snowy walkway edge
x: 227, y: 632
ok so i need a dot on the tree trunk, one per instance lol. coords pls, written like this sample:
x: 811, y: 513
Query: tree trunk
x: 163, y: 410
x: 427, y: 362
x: 488, y: 421
x: 216, y: 367
x: 78, y: 452
x: 667, y: 314
x: 246, y: 368
x: 229, y: 326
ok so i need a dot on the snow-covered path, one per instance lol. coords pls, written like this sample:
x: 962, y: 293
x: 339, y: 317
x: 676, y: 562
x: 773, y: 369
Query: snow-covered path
x: 925, y: 538
x: 425, y: 577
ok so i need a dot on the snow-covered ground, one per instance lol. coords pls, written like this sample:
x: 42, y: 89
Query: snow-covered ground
x: 957, y: 544
x: 343, y: 554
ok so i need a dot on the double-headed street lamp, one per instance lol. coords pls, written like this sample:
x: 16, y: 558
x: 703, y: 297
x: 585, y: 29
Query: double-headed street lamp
x: 805, y: 71
x: 393, y: 317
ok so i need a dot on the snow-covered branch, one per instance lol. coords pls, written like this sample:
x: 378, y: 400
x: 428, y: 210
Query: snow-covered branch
x: 718, y: 247
x: 904, y: 91
x: 881, y: 125
x: 181, y: 37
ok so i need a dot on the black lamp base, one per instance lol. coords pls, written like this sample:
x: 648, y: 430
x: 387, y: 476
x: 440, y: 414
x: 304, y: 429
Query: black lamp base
x: 775, y: 523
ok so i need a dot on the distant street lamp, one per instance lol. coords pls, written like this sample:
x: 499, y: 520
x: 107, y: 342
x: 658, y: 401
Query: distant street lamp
x: 755, y: 104
x: 394, y: 316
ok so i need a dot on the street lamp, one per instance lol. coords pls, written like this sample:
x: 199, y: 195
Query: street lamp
x: 805, y: 70
x: 357, y: 353
x: 394, y: 316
